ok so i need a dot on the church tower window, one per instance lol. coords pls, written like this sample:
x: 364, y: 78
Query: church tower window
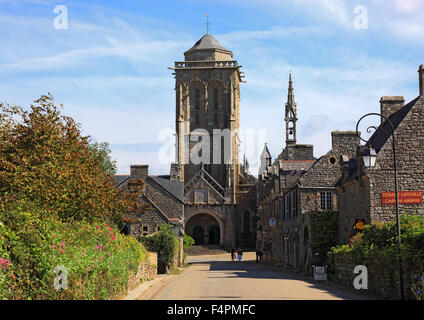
x: 215, y: 99
x: 197, y: 99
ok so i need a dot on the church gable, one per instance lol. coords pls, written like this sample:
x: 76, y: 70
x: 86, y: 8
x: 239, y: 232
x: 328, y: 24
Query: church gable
x: 203, y: 189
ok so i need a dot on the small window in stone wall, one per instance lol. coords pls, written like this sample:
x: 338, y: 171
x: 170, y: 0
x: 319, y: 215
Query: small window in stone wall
x: 326, y: 201
x: 145, y: 229
x: 332, y: 160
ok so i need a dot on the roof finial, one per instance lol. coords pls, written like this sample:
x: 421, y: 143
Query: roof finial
x: 207, y: 23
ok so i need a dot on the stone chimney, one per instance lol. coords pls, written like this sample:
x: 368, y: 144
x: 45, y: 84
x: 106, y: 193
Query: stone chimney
x: 139, y: 171
x: 421, y: 79
x: 389, y: 105
x: 344, y: 143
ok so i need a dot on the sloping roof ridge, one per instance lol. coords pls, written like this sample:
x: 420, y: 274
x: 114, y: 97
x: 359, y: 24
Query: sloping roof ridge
x: 164, y: 188
x: 157, y: 208
x: 384, y: 131
x: 313, y: 165
x: 120, y: 183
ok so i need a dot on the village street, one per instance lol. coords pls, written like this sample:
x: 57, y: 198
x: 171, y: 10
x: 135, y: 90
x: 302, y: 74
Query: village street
x: 216, y: 277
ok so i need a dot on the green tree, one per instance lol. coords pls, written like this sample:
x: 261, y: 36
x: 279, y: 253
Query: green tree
x: 103, y: 153
x: 165, y: 243
x: 45, y: 159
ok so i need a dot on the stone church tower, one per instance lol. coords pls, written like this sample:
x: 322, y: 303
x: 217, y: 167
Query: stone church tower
x: 207, y: 85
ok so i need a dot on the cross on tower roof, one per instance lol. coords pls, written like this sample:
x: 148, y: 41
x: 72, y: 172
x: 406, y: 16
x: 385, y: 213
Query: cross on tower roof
x: 207, y: 23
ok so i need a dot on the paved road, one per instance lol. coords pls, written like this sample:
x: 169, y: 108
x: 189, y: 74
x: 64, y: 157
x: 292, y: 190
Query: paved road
x: 217, y: 277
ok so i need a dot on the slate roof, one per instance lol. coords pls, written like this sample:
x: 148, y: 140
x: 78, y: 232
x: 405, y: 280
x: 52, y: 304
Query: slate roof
x: 174, y: 187
x: 384, y: 131
x: 207, y: 42
x: 120, y: 179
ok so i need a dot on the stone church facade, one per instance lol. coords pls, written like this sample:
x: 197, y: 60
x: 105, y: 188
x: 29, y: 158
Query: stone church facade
x: 215, y: 192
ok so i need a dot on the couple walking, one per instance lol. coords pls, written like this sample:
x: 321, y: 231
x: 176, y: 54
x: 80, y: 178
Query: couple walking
x: 239, y: 254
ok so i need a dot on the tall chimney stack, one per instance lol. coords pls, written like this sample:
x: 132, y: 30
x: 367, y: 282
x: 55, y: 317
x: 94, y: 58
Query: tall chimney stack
x: 421, y: 79
x: 139, y: 171
x: 389, y: 105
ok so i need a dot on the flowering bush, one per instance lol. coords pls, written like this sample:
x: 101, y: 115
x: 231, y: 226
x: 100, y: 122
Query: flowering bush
x: 54, y: 186
x: 98, y: 259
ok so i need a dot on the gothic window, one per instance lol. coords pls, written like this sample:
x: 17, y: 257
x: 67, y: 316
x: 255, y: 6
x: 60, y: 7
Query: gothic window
x: 197, y: 118
x: 246, y: 221
x: 197, y: 99
x: 215, y: 99
x: 326, y: 203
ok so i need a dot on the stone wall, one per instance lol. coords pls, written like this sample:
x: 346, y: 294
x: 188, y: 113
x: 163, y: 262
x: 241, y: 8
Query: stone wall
x: 409, y: 156
x: 354, y: 204
x: 382, y: 277
x: 147, y: 270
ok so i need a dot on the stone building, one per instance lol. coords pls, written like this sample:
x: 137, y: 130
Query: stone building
x: 295, y: 185
x: 361, y: 190
x: 164, y: 196
x: 208, y: 180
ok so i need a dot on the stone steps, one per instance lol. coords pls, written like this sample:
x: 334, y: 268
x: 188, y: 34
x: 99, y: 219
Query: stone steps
x: 205, y: 250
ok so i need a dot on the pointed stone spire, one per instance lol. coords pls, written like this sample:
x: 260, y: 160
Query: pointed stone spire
x: 290, y: 114
x: 265, y: 159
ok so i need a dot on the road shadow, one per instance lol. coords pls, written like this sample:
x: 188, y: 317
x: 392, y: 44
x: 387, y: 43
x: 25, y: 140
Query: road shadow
x: 252, y: 270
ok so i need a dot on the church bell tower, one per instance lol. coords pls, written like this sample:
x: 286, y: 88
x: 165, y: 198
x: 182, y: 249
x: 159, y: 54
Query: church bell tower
x: 207, y: 85
x: 290, y: 115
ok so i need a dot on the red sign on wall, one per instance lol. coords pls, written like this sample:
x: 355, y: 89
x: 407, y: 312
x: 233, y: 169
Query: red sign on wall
x: 404, y: 197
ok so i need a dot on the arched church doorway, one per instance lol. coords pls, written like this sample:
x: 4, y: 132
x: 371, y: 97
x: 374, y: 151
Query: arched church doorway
x: 198, y: 235
x: 205, y: 229
x: 214, y: 235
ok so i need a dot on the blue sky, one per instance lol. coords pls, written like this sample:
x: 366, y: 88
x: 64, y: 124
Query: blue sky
x: 109, y: 68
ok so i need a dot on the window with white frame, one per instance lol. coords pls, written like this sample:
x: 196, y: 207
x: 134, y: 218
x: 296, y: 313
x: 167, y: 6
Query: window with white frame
x: 326, y: 201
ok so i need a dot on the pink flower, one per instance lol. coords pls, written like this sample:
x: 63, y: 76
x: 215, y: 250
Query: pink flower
x: 107, y: 224
x: 110, y: 254
x: 63, y: 245
x: 53, y: 246
x: 61, y: 251
x: 98, y: 227
x: 95, y: 260
x: 83, y: 254
x: 88, y: 268
x: 84, y: 250
x: 96, y: 247
x: 54, y: 236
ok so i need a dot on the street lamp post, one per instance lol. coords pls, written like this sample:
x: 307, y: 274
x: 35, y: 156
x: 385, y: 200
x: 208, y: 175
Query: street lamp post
x: 369, y: 161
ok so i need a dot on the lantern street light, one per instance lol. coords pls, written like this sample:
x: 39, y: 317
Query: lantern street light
x: 369, y: 156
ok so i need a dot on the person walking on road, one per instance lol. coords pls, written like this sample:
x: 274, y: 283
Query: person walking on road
x: 258, y: 255
x: 239, y: 254
x: 232, y: 254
